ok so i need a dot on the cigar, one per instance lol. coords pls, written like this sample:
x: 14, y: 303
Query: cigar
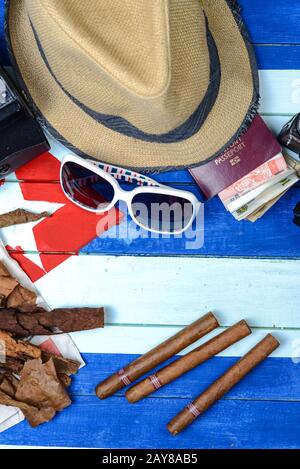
x: 188, y: 362
x: 158, y: 355
x: 220, y: 387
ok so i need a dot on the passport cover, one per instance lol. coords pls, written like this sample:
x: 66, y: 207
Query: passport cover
x: 254, y: 148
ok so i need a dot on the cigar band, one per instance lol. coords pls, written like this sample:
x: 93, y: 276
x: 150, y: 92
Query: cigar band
x: 124, y: 378
x: 193, y: 410
x: 155, y: 381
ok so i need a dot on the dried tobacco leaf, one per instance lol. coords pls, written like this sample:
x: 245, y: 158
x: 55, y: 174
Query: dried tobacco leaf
x: 2, y: 301
x: 20, y: 297
x: 12, y: 294
x: 13, y: 365
x: 20, y: 216
x: 39, y: 386
x: 64, y: 379
x: 40, y: 322
x: 62, y: 365
x: 3, y: 271
x: 34, y: 415
x: 9, y: 385
x: 9, y: 323
x: 7, y: 282
x: 63, y: 320
x: 14, y: 348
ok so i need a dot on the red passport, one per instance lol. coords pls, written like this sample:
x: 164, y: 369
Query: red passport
x: 254, y: 148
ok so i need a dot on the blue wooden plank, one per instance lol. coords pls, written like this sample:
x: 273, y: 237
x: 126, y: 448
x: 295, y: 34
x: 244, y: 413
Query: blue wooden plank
x: 230, y: 424
x: 267, y: 398
x: 272, y: 21
x: 273, y: 236
x: 283, y: 373
x: 278, y: 57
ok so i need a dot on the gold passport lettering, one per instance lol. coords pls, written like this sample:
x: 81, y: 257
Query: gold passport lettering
x: 235, y: 161
x: 231, y: 153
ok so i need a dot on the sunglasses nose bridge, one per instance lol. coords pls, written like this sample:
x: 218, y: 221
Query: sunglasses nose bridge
x: 123, y: 195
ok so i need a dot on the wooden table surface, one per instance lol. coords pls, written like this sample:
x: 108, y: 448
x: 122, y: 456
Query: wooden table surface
x: 153, y: 287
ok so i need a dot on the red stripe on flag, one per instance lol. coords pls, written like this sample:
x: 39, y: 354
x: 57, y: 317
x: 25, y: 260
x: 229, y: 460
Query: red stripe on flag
x: 43, y: 168
x: 43, y: 191
x: 34, y: 271
x: 69, y: 229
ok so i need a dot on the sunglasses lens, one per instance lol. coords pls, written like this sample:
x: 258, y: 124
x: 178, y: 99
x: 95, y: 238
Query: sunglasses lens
x: 162, y: 212
x: 86, y: 187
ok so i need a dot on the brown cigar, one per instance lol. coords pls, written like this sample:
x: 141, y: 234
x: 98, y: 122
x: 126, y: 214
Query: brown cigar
x: 223, y: 384
x: 159, y: 354
x: 188, y: 362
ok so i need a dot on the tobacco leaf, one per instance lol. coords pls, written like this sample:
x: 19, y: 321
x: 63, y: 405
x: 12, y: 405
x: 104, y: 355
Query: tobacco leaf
x: 9, y: 385
x: 21, y: 297
x: 14, y: 348
x: 7, y: 282
x: 34, y: 415
x: 13, y: 365
x: 9, y: 323
x: 41, y: 322
x: 39, y: 386
x: 20, y: 216
x: 39, y: 392
x: 2, y: 301
x: 12, y: 294
x: 72, y: 320
x: 64, y: 379
x: 3, y: 271
x: 62, y: 365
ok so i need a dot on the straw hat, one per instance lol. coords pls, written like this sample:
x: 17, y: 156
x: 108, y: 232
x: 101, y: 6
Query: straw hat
x: 143, y: 84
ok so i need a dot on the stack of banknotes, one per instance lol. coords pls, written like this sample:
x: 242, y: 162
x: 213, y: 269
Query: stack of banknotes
x: 253, y: 195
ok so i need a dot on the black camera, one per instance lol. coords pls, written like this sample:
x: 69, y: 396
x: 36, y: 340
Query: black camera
x: 290, y: 135
x: 21, y: 137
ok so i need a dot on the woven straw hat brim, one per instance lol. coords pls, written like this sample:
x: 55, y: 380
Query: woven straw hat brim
x: 231, y: 114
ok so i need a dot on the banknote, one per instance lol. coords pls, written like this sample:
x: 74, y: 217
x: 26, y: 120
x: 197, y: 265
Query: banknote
x: 264, y: 208
x: 255, y: 179
x: 255, y: 193
x: 274, y: 191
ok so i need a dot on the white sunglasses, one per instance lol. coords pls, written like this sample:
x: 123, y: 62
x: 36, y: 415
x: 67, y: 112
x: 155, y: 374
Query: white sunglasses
x: 157, y: 208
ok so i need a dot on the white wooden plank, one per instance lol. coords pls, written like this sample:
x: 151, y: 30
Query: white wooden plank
x: 275, y: 123
x: 176, y: 291
x: 280, y: 91
x: 138, y: 340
